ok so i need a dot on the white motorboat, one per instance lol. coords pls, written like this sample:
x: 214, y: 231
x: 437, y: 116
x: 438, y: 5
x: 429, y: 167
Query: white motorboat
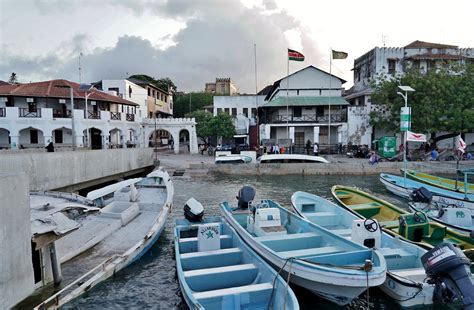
x: 233, y: 159
x: 78, y: 244
x: 291, y: 158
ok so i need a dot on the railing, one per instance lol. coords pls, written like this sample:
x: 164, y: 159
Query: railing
x: 2, y: 112
x: 130, y: 117
x: 115, y: 116
x: 27, y: 112
x: 335, y: 118
x: 93, y: 115
x: 61, y: 114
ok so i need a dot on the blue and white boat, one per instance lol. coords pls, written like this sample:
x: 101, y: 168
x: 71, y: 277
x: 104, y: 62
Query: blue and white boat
x: 405, y: 187
x: 329, y: 265
x: 406, y: 278
x: 217, y: 270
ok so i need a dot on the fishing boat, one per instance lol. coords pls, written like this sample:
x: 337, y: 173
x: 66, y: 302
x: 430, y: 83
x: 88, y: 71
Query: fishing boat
x: 412, y: 226
x: 291, y: 158
x: 406, y: 278
x: 96, y: 240
x: 405, y: 187
x: 327, y: 264
x: 440, y: 182
x: 233, y: 159
x: 217, y: 270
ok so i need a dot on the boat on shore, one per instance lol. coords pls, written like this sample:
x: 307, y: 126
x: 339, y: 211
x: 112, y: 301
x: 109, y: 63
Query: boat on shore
x: 327, y: 264
x: 95, y: 242
x: 291, y: 158
x: 404, y: 188
x: 233, y: 159
x: 217, y: 270
x: 412, y: 226
x: 406, y: 277
x: 445, y: 183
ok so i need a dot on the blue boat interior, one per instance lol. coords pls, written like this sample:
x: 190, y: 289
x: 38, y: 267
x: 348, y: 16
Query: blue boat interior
x: 232, y: 277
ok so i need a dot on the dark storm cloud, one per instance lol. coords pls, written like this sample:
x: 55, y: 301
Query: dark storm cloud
x: 217, y: 42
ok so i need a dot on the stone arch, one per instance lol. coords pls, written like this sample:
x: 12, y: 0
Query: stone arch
x: 115, y: 138
x: 31, y: 137
x: 184, y: 140
x: 95, y: 138
x: 4, y: 138
x: 62, y: 135
x: 163, y: 137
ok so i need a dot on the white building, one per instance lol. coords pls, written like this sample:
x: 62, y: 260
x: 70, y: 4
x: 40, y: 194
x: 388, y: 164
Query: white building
x: 313, y: 105
x: 127, y: 90
x: 393, y: 61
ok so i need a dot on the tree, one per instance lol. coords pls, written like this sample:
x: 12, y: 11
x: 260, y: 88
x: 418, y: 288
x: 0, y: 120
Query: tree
x: 162, y: 83
x: 443, y: 101
x: 202, y: 123
x: 190, y: 102
x: 13, y: 78
x: 213, y: 126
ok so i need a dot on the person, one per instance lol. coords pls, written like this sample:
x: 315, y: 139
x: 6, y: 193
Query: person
x: 171, y: 144
x: 282, y: 150
x: 434, y: 154
x: 316, y: 149
x: 373, y: 159
x: 308, y: 146
x: 50, y: 147
x: 468, y: 156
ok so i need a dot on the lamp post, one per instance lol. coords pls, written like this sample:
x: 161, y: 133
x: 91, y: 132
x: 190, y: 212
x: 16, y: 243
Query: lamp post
x: 71, y: 94
x: 86, y: 88
x: 405, y: 124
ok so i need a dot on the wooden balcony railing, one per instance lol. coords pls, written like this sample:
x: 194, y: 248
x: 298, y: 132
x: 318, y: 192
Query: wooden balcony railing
x: 27, y: 112
x: 115, y: 116
x: 93, y: 115
x: 62, y: 114
x: 335, y: 118
x: 130, y: 117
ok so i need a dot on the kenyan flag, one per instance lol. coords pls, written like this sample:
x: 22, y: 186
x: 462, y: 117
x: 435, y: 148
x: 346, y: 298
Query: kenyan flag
x: 294, y: 55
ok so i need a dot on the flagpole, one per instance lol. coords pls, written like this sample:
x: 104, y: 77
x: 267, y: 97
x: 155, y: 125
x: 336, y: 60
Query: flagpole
x: 256, y: 97
x: 287, y: 86
x: 329, y: 115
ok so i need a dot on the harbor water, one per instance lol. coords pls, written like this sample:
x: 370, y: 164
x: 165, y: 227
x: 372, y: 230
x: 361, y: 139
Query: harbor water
x: 152, y: 281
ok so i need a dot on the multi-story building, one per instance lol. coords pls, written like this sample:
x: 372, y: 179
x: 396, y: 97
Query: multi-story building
x: 34, y: 114
x: 419, y: 55
x: 306, y: 105
x: 222, y: 86
x: 159, y: 101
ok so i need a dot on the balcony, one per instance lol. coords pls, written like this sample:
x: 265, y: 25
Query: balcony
x: 130, y: 117
x: 335, y: 118
x: 93, y: 115
x: 27, y: 112
x: 115, y: 116
x: 61, y: 114
x: 2, y: 112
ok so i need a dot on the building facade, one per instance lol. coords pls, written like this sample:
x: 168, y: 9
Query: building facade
x: 222, y: 86
x: 159, y: 101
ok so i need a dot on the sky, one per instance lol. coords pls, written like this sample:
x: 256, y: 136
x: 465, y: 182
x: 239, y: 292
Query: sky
x: 195, y: 41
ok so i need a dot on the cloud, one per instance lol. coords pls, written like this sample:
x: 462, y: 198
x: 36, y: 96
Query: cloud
x: 218, y: 41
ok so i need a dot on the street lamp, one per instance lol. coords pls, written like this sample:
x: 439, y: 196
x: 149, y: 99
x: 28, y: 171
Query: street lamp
x: 86, y: 88
x: 405, y: 123
x: 72, y: 114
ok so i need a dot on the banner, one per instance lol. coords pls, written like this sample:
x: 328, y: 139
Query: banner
x: 405, y: 118
x: 339, y: 55
x: 416, y: 137
x: 460, y: 144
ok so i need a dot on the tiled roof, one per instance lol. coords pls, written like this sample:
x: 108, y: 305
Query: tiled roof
x: 4, y: 83
x: 422, y: 44
x: 305, y: 101
x: 58, y: 89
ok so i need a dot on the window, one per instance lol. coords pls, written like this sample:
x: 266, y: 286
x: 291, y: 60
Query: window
x: 31, y: 106
x: 245, y: 111
x: 149, y: 92
x: 297, y: 111
x: 153, y: 93
x: 319, y: 111
x: 254, y: 112
x: 129, y: 91
x: 234, y: 111
x: 391, y: 66
x: 226, y: 110
x: 297, y: 92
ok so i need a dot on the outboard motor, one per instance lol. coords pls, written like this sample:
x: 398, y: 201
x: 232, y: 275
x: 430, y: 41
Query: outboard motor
x: 193, y: 210
x: 421, y: 195
x: 246, y: 195
x: 449, y: 269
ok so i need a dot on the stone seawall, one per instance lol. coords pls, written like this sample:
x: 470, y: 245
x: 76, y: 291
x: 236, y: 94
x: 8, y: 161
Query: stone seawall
x: 78, y: 169
x: 338, y: 168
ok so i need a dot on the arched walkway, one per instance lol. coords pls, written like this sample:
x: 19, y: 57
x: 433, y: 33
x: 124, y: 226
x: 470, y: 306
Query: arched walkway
x: 31, y: 137
x: 4, y: 138
x: 115, y: 138
x: 160, y: 138
x: 184, y: 140
x: 96, y: 138
x: 62, y: 136
x: 174, y: 126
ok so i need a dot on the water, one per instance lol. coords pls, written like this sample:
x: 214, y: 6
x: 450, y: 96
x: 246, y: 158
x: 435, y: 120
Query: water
x: 152, y: 281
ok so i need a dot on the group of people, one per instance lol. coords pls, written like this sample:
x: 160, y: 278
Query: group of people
x: 315, y: 148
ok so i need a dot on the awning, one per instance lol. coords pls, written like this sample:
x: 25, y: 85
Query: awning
x: 305, y: 101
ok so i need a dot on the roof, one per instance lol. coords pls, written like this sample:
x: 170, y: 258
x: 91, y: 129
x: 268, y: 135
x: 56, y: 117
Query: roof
x: 276, y: 84
x: 265, y: 91
x: 4, y: 83
x: 141, y: 83
x: 422, y: 44
x: 305, y: 101
x: 58, y: 89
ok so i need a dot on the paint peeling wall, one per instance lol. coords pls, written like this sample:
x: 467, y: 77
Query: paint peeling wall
x: 359, y: 131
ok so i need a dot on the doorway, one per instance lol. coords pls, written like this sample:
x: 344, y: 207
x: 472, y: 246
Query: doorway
x: 96, y: 139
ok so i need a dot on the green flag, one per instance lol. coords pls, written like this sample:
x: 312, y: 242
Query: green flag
x: 339, y: 55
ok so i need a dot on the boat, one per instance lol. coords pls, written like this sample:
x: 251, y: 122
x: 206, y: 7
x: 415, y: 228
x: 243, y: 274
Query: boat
x: 233, y: 159
x: 405, y: 187
x: 326, y: 264
x: 291, y: 158
x: 406, y: 278
x: 97, y: 240
x: 445, y: 183
x: 217, y: 270
x: 412, y: 226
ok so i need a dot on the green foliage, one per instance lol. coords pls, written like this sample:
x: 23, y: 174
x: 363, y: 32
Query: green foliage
x: 213, y: 126
x: 162, y: 83
x: 443, y: 100
x: 190, y: 102
x: 13, y: 78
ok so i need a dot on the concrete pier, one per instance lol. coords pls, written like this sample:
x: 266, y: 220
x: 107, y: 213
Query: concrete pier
x: 72, y: 171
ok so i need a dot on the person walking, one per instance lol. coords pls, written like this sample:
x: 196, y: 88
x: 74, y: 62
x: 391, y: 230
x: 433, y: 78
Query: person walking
x: 316, y: 149
x: 308, y: 146
x: 50, y: 147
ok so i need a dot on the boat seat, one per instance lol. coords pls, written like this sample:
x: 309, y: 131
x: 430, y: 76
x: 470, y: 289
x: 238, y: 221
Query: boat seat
x: 389, y: 224
x: 437, y: 234
x: 218, y: 270
x: 311, y: 252
x: 343, y: 195
x: 389, y: 252
x: 205, y: 254
x: 319, y: 214
x: 368, y: 205
x: 260, y: 288
x: 342, y: 232
x: 209, y: 259
x: 286, y: 237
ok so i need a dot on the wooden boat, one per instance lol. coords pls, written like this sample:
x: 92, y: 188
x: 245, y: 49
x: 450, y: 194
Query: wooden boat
x: 440, y: 182
x: 405, y: 282
x: 217, y: 270
x: 412, y: 226
x: 404, y: 188
x: 115, y: 235
x: 233, y: 159
x: 291, y: 158
x: 329, y: 265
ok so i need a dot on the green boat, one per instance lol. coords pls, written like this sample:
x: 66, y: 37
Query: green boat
x: 439, y: 181
x: 412, y: 226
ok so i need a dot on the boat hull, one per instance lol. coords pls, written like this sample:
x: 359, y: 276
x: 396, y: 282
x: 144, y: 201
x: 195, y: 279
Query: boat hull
x: 407, y: 293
